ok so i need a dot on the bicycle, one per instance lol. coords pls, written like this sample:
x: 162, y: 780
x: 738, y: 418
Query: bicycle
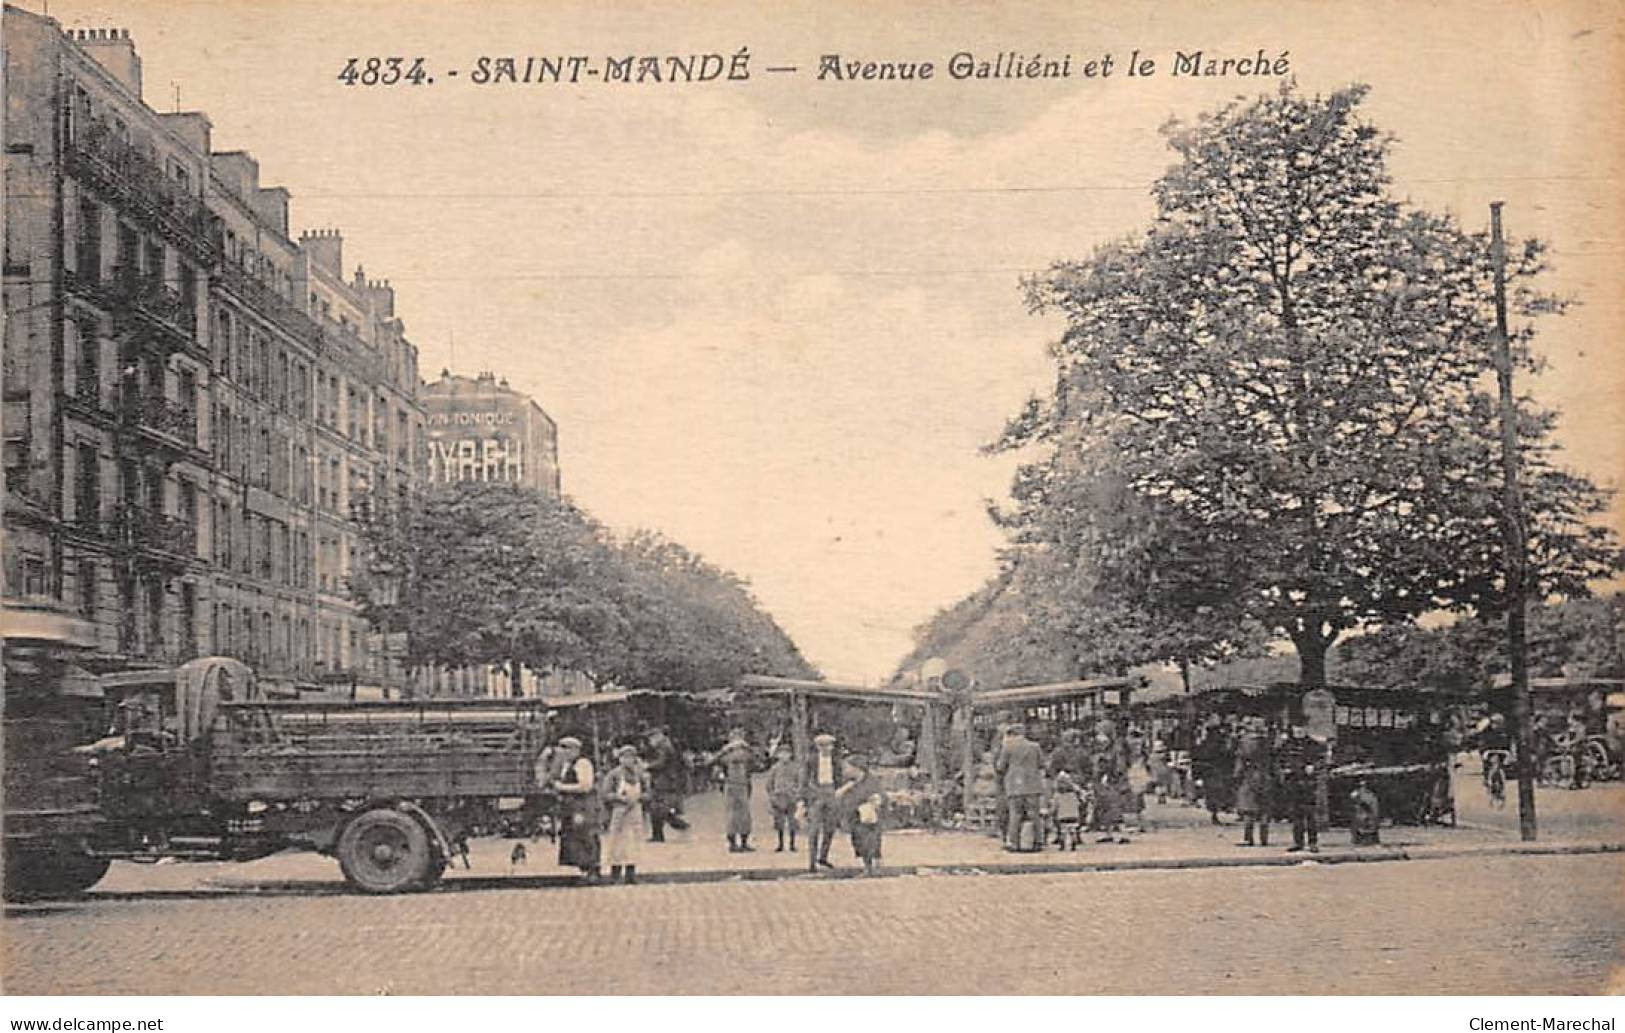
x: 1599, y: 762
x: 1495, y: 776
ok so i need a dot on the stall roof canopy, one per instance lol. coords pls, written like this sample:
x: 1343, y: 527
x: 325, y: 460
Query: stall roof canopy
x: 1053, y: 692
x: 768, y: 685
x: 1561, y: 686
x: 1364, y: 695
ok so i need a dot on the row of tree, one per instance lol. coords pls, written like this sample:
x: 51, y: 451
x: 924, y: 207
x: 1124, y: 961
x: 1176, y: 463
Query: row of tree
x: 497, y: 573
x: 1274, y: 413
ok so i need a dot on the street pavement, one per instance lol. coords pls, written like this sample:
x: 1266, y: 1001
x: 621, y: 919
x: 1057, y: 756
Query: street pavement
x: 1495, y: 925
x: 1464, y: 915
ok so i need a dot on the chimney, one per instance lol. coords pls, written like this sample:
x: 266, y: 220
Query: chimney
x: 192, y: 126
x: 326, y: 249
x: 271, y: 204
x: 115, y: 51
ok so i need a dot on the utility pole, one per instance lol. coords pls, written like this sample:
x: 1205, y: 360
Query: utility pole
x: 1515, y: 536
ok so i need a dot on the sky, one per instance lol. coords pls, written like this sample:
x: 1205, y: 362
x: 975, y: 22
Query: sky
x: 778, y: 319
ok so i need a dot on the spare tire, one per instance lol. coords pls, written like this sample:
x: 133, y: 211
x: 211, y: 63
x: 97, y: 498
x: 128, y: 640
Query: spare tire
x: 384, y: 851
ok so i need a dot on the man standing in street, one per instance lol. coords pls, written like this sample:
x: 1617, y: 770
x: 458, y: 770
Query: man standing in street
x: 1300, y: 762
x: 822, y: 780
x: 1021, y: 768
x: 665, y: 769
x: 735, y: 758
x: 1255, y: 782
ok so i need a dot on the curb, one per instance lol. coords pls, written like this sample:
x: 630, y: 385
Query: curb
x: 218, y: 888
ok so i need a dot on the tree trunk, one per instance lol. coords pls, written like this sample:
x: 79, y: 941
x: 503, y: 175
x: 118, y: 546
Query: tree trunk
x: 1185, y: 674
x: 516, y: 686
x: 1312, y: 648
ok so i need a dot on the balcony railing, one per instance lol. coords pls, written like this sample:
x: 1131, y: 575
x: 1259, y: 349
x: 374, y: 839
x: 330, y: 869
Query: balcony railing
x: 345, y: 342
x: 130, y: 175
x: 146, y: 529
x: 156, y: 301
x: 162, y: 416
x: 268, y: 302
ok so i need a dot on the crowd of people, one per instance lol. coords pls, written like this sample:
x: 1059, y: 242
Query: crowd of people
x: 1095, y: 779
x: 600, y: 817
x: 1034, y: 786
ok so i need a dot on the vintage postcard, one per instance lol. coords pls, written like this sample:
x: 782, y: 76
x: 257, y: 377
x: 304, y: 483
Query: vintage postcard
x: 815, y: 498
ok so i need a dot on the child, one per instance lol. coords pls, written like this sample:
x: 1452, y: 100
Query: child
x: 866, y: 833
x: 1367, y: 816
x: 861, y: 797
x: 784, y: 791
x: 1067, y: 808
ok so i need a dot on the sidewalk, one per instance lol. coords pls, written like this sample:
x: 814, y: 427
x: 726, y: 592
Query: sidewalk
x: 1177, y: 836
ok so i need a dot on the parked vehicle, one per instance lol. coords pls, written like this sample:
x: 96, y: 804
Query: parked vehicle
x: 195, y: 763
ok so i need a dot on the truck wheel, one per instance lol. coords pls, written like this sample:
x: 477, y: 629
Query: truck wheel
x: 44, y: 874
x: 384, y: 851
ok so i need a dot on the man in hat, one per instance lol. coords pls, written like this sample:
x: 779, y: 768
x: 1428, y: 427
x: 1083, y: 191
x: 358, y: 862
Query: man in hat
x: 735, y: 758
x: 1020, y: 766
x: 578, y: 836
x: 819, y: 788
x: 784, y: 793
x: 1299, y: 761
x: 665, y: 768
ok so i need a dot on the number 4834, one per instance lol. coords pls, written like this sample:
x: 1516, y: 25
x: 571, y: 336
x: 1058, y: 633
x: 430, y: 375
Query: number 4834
x: 384, y: 71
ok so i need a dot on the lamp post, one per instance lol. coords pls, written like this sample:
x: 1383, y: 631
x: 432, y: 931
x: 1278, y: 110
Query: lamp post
x: 1515, y: 536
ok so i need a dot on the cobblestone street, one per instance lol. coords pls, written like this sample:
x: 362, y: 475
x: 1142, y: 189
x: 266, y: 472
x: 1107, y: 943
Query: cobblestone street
x: 1475, y: 926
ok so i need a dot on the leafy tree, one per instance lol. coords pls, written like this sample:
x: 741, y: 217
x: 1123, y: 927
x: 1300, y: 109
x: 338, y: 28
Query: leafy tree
x: 497, y: 573
x: 1577, y: 636
x: 693, y: 625
x: 493, y: 573
x: 1284, y: 384
x: 993, y: 635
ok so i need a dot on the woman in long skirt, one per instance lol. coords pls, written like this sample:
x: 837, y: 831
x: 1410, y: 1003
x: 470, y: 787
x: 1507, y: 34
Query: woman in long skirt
x: 624, y: 790
x: 578, y: 836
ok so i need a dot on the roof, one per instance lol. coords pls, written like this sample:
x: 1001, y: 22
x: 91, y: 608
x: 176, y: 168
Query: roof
x: 1054, y: 691
x: 768, y: 685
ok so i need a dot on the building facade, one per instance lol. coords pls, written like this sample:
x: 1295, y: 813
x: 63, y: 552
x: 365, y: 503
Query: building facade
x: 481, y: 429
x: 196, y: 404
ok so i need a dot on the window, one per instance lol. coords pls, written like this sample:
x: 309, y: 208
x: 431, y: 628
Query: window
x: 188, y: 620
x: 188, y: 282
x: 88, y: 258
x: 222, y: 534
x: 154, y: 264
x: 88, y: 587
x: 186, y: 393
x: 155, y: 618
x: 88, y: 371
x: 187, y: 495
x: 128, y: 269
x: 88, y: 487
x: 223, y: 428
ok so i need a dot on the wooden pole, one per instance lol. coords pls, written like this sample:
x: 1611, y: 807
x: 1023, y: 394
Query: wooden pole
x: 1515, y: 535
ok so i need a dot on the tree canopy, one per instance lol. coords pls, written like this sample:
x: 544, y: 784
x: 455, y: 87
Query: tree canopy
x: 502, y: 574
x: 1275, y: 406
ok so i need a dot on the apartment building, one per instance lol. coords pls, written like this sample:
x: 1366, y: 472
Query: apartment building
x: 196, y: 404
